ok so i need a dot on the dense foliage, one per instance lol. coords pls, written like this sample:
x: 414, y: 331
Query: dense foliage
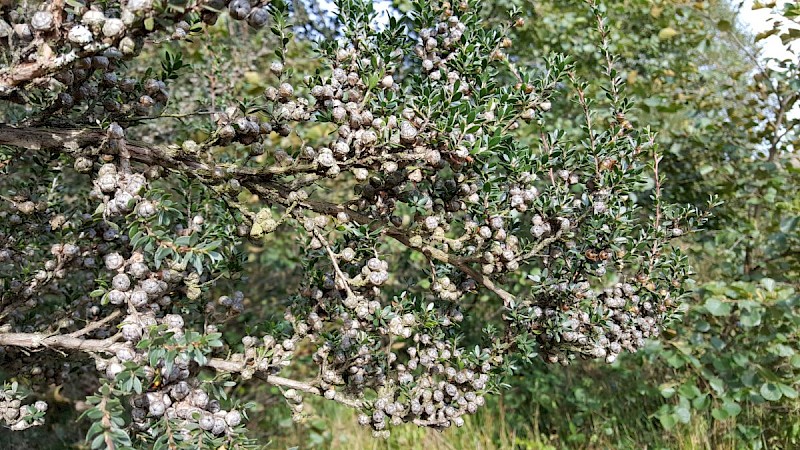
x: 728, y: 121
x: 398, y: 142
x: 210, y: 205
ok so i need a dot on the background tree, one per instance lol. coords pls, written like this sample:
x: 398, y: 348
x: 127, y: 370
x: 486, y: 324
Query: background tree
x: 725, y: 117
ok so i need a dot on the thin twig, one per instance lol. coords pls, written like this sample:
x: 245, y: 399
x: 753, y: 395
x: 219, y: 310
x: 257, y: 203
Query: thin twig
x: 95, y: 325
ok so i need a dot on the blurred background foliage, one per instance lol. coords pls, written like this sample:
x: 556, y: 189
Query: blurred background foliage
x: 725, y: 376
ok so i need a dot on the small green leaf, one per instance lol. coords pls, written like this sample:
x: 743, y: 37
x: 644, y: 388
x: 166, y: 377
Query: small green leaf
x: 97, y: 442
x: 667, y: 390
x: 717, y: 307
x: 701, y: 402
x: 667, y: 419
x: 717, y: 385
x: 683, y: 414
x: 731, y: 408
x: 719, y: 413
x: 770, y: 392
x: 161, y: 253
x: 689, y: 390
x: 750, y: 319
x: 787, y: 391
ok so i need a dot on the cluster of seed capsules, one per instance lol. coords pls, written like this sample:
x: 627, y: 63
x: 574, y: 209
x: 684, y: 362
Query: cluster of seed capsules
x: 360, y: 132
x: 120, y: 192
x: 251, y: 130
x: 437, y: 45
x: 622, y: 317
x: 96, y: 37
x: 55, y: 268
x: 173, y: 394
x: 57, y: 274
x: 189, y: 407
x: 396, y: 157
x: 267, y: 357
x: 17, y: 416
x: 145, y: 294
x: 430, y: 383
x: 104, y: 40
x: 422, y: 385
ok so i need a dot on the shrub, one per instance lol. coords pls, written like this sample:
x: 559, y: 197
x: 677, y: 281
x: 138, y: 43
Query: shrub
x: 391, y: 167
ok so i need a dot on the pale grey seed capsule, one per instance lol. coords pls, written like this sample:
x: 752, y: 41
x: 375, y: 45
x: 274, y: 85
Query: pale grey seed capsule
x: 258, y: 17
x: 145, y: 209
x: 285, y: 90
x: 219, y: 426
x: 233, y: 418
x: 276, y: 67
x: 80, y: 35
x: 138, y: 298
x: 139, y: 5
x: 113, y: 28
x: 83, y: 164
x: 157, y: 408
x: 199, y: 398
x: 206, y: 421
x: 131, y: 332
x: 152, y: 287
x: 93, y: 18
x: 138, y: 414
x: 407, y: 132
x: 116, y: 297
x: 121, y: 282
x: 42, y: 21
x: 239, y: 9
x: 107, y: 182
x: 173, y: 321
x: 127, y: 46
x: 125, y: 354
x: 113, y: 370
x: 113, y: 261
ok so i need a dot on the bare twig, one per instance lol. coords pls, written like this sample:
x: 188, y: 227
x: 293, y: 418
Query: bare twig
x: 339, y: 274
x: 96, y: 324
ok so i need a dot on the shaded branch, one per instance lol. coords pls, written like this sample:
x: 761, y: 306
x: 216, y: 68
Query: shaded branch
x: 15, y: 76
x: 110, y: 346
x: 78, y: 142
